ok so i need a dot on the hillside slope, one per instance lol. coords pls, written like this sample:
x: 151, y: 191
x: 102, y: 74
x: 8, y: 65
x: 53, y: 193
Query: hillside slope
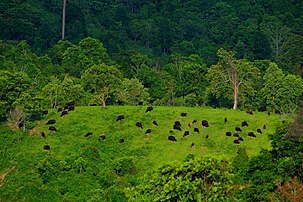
x: 81, y: 168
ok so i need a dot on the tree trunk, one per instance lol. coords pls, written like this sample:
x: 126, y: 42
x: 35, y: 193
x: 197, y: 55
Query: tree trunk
x: 235, y: 98
x: 63, y: 19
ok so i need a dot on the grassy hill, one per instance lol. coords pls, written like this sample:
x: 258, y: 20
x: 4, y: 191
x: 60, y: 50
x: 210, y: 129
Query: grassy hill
x: 82, y: 168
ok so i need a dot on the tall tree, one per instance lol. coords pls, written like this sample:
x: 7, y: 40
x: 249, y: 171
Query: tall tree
x: 99, y: 80
x: 231, y: 75
x: 63, y: 19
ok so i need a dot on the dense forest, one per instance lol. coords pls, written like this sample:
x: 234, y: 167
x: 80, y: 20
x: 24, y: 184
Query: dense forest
x: 245, y: 55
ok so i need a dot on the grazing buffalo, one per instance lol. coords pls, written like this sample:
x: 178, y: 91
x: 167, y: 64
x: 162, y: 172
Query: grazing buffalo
x: 88, y: 134
x: 249, y: 112
x: 183, y: 114
x: 63, y: 113
x: 102, y: 137
x: 44, y: 112
x: 120, y: 117
x: 192, y: 144
x: 139, y: 125
x: 49, y: 122
x: 172, y: 138
x: 244, y: 124
x: 264, y: 127
x: 259, y: 130
x: 20, y: 125
x: 177, y: 127
x: 178, y: 123
x: 205, y: 123
x: 65, y: 107
x: 268, y: 113
x: 236, y: 135
x: 236, y: 142
x: 149, y: 109
x: 225, y: 120
x: 238, y: 129
x: 186, y: 133
x: 206, y: 136
x: 194, y: 121
x: 71, y: 108
x: 240, y: 139
x: 60, y: 109
x: 251, y: 134
x: 72, y: 103
x: 52, y: 128
x: 197, y: 130
x: 170, y: 131
x: 189, y: 125
x: 155, y: 123
x: 43, y: 135
x: 46, y: 147
x: 228, y: 133
x: 121, y: 141
x: 148, y: 131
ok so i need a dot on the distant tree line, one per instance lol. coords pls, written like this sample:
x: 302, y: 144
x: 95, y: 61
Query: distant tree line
x: 86, y: 74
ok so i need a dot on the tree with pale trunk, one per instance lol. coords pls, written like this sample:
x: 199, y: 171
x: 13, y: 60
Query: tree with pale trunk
x: 100, y: 79
x: 232, y: 78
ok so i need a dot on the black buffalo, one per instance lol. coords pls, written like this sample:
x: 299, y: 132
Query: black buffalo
x: 60, y: 109
x: 63, y: 113
x: 177, y: 127
x: 88, y: 134
x: 102, y: 137
x: 225, y: 120
x: 196, y: 130
x: 43, y: 135
x: 149, y: 109
x: 186, y: 133
x: 244, y: 124
x: 52, y: 128
x: 194, y: 121
x: 205, y: 123
x: 139, y: 125
x: 183, y: 114
x: 264, y: 127
x: 251, y: 134
x: 44, y: 112
x: 172, y: 138
x: 148, y: 131
x: 49, y: 122
x: 240, y: 139
x: 236, y: 142
x: 120, y: 117
x: 259, y: 130
x: 155, y: 123
x: 46, y: 147
x: 238, y: 129
x: 121, y: 141
x: 178, y: 123
x: 236, y: 135
x: 228, y: 133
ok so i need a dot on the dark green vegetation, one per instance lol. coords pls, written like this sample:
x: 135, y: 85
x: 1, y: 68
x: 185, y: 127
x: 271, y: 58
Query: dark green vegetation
x: 79, y: 167
x: 245, y: 55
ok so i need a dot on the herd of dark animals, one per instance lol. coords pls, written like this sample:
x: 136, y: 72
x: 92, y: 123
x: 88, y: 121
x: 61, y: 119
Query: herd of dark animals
x: 177, y: 125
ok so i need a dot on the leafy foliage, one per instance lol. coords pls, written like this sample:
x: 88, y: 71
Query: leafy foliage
x: 200, y: 179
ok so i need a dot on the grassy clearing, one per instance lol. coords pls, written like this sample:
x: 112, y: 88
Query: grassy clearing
x: 73, y: 127
x: 77, y: 167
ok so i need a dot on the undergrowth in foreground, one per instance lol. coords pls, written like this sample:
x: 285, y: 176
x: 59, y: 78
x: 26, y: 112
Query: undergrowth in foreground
x: 85, y: 168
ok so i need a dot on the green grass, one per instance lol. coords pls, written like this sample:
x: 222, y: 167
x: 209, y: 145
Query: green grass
x: 102, y: 157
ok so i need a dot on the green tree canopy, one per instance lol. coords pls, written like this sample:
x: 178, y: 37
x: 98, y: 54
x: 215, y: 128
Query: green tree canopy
x: 200, y: 179
x: 100, y: 79
x: 232, y: 78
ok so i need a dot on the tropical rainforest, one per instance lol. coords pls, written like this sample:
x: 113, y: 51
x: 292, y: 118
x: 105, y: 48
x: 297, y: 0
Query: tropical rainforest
x: 117, y: 54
